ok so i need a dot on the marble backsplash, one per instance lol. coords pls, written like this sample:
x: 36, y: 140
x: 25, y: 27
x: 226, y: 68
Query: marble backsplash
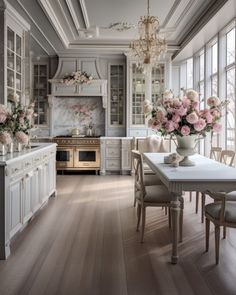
x: 79, y: 112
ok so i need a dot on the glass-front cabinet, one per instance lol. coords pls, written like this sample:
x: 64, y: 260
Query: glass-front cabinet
x: 40, y: 92
x: 138, y: 95
x: 142, y: 83
x: 116, y: 99
x: 14, y: 64
x: 117, y: 95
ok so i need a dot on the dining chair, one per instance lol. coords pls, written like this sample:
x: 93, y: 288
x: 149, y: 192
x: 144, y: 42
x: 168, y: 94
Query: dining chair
x: 152, y: 196
x: 220, y: 213
x: 227, y: 158
x: 149, y: 179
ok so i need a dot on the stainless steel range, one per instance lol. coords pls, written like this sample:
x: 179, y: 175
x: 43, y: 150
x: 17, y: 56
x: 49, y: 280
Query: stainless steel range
x: 80, y: 153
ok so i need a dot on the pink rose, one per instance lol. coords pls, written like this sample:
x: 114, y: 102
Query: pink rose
x: 186, y: 102
x: 176, y: 118
x: 181, y: 111
x: 200, y: 125
x: 185, y: 130
x: 213, y: 101
x: 22, y: 137
x: 192, y: 118
x: 176, y: 103
x: 209, y: 118
x: 195, y: 104
x: 21, y: 120
x: 160, y: 114
x: 5, y: 137
x: 217, y: 127
x: 3, y: 118
x: 170, y: 126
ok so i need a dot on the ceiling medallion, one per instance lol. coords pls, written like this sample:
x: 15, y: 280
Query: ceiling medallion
x: 150, y: 46
x: 120, y: 26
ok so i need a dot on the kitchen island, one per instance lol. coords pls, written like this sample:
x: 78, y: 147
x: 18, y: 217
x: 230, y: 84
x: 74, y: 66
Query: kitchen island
x: 27, y: 180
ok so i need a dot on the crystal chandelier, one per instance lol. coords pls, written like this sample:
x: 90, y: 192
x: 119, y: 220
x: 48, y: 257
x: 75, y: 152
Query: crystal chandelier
x: 150, y: 45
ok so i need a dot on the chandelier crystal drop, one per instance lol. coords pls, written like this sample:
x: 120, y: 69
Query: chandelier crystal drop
x: 148, y: 48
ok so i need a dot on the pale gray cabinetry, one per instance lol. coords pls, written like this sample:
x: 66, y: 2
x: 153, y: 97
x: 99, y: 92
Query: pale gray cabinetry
x: 27, y: 181
x: 116, y: 155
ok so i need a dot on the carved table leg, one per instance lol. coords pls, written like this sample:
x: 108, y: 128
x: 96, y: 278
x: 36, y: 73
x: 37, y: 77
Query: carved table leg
x: 175, y: 212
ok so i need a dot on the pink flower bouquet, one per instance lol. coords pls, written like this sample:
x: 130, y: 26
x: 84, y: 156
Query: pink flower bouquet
x: 182, y: 117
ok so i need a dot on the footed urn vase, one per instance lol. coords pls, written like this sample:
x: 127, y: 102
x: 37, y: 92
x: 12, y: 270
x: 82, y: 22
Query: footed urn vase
x: 186, y: 147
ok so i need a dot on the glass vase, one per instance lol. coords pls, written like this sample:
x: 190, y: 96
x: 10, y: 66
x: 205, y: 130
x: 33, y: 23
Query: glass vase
x: 3, y: 149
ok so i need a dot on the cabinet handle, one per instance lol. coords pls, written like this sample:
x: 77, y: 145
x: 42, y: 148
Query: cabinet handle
x: 16, y: 170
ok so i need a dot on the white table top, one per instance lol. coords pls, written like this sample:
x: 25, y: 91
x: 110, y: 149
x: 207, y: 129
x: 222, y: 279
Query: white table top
x: 207, y: 174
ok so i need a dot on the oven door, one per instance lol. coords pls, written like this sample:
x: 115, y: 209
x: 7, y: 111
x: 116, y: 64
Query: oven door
x: 87, y: 157
x: 64, y: 157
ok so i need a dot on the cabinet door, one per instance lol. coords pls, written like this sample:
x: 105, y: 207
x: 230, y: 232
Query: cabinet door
x: 15, y: 215
x: 35, y: 193
x: 52, y: 175
x: 126, y: 155
x: 117, y: 95
x: 44, y: 183
x: 27, y: 194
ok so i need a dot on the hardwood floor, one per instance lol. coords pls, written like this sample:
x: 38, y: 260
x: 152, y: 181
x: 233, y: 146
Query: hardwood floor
x: 84, y: 242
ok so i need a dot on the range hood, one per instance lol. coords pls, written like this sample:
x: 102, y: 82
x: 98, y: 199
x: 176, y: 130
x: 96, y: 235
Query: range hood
x: 67, y: 65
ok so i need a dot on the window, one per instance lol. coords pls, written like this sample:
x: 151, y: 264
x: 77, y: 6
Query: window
x: 190, y: 73
x: 214, y: 69
x: 230, y: 89
x: 201, y: 83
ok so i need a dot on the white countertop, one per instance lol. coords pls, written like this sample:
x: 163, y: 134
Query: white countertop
x: 36, y: 147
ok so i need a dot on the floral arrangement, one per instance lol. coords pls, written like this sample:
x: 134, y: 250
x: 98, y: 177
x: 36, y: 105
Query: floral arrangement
x: 181, y: 116
x: 16, y: 122
x: 77, y: 77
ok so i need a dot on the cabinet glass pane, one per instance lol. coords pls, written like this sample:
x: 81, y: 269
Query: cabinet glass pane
x: 10, y: 78
x: 116, y: 95
x: 138, y: 96
x: 10, y: 59
x: 18, y: 82
x: 18, y: 64
x: 10, y: 39
x: 18, y: 45
x: 43, y: 70
x: 157, y: 83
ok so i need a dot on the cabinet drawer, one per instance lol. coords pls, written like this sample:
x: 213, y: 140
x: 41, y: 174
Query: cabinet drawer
x: 113, y: 141
x: 113, y: 164
x: 28, y: 163
x: 15, y: 168
x: 37, y: 158
x: 112, y: 152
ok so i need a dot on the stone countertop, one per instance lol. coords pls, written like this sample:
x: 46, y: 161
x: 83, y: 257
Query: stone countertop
x: 35, y: 147
x: 116, y: 137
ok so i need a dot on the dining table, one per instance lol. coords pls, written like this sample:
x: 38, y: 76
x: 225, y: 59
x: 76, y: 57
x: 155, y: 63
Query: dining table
x: 205, y: 175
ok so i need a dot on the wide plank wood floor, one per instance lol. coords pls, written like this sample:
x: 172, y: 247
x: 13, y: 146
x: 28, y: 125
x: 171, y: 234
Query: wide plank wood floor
x: 84, y: 242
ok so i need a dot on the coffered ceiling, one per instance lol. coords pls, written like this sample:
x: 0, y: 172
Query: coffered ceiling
x: 66, y: 26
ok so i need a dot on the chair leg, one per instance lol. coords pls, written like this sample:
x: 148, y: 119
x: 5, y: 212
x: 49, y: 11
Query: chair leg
x: 217, y: 242
x: 190, y: 196
x: 181, y: 224
x: 224, y: 232
x: 207, y: 234
x: 165, y: 210
x: 134, y: 201
x: 197, y: 202
x: 203, y: 206
x: 143, y: 222
x: 138, y: 215
x: 169, y: 217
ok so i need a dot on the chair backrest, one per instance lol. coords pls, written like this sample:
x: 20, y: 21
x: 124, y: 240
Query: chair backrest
x: 138, y: 172
x: 227, y: 157
x: 153, y: 144
x: 215, y: 153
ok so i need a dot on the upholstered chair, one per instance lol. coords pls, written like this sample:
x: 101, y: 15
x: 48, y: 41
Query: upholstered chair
x: 220, y: 213
x: 151, y: 196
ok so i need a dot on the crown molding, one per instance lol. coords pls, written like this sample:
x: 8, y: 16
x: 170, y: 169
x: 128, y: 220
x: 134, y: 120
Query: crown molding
x: 212, y: 8
x: 85, y: 13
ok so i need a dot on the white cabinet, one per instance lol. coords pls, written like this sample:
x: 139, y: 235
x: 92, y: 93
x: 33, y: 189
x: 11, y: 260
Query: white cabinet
x: 28, y: 182
x: 116, y: 155
x: 15, y: 208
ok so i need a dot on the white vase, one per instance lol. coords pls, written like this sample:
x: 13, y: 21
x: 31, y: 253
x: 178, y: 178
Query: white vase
x: 186, y: 147
x: 3, y: 149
